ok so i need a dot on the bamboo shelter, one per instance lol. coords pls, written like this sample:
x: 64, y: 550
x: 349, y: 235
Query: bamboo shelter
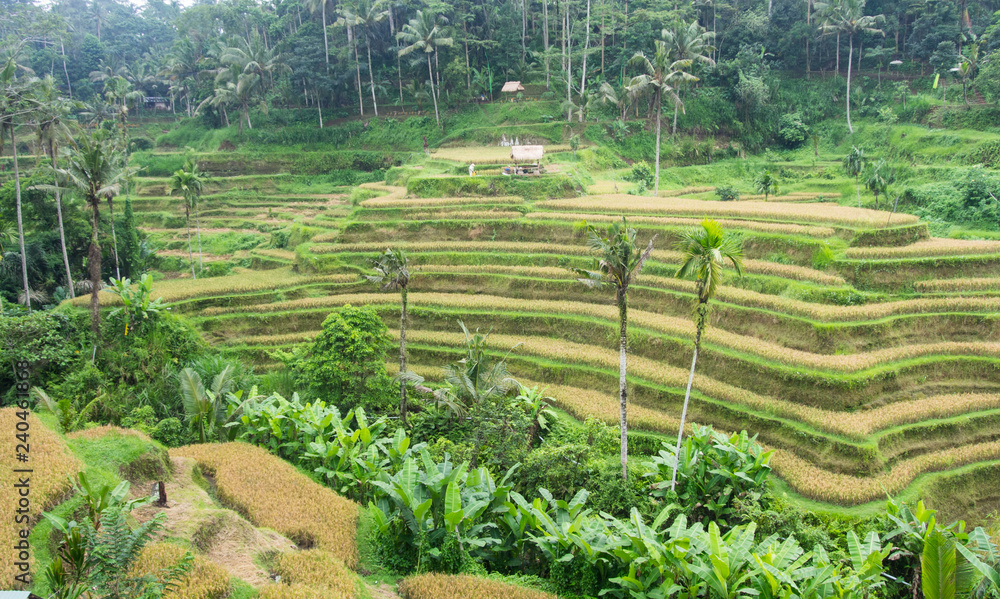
x: 512, y: 87
x: 526, y: 159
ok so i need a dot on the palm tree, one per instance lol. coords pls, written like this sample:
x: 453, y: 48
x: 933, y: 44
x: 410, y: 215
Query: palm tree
x: 659, y: 74
x: 706, y: 250
x: 189, y: 183
x: 618, y: 265
x: 51, y: 128
x: 766, y: 183
x: 392, y: 272
x: 320, y: 5
x: 94, y: 172
x: 854, y: 164
x: 424, y: 34
x: 878, y: 179
x: 364, y: 14
x: 848, y: 17
x: 688, y: 42
x: 16, y: 100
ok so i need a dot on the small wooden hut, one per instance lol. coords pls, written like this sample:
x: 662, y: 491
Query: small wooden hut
x: 526, y: 159
x: 512, y: 87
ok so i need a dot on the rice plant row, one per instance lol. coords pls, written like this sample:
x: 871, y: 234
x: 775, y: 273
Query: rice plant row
x: 957, y: 285
x: 464, y: 586
x: 752, y: 225
x: 206, y: 580
x: 801, y: 213
x: 928, y: 247
x: 290, y: 503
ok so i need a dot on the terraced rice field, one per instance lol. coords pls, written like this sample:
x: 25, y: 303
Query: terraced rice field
x: 867, y: 355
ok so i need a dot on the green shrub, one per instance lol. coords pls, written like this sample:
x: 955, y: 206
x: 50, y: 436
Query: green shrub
x: 171, y: 432
x: 641, y: 173
x: 727, y: 193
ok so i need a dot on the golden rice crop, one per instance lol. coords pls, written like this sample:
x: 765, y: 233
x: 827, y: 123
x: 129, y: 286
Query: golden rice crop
x: 319, y: 570
x: 399, y: 202
x: 246, y: 281
x: 856, y: 424
x: 806, y: 213
x: 752, y: 225
x: 206, y: 580
x: 276, y: 339
x: 294, y: 591
x: 275, y: 253
x: 670, y: 325
x: 51, y: 462
x: 669, y: 256
x: 799, y: 196
x: 272, y: 494
x: 928, y: 247
x: 948, y: 285
x: 98, y: 432
x: 464, y: 215
x: 325, y: 237
x: 817, y: 483
x: 686, y: 191
x: 463, y: 586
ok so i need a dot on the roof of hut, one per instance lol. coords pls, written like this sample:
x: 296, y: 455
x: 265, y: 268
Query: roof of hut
x: 512, y: 86
x: 525, y: 153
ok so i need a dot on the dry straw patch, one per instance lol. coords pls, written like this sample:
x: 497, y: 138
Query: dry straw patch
x: 52, y: 464
x: 320, y: 570
x: 206, y: 580
x: 761, y: 226
x: 807, y: 213
x: 462, y: 586
x: 928, y: 247
x: 290, y: 503
x: 952, y: 285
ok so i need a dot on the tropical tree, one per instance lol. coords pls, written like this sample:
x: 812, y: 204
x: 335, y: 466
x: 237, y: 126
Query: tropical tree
x: 392, y: 272
x: 688, y: 42
x: 854, y: 164
x: 189, y: 183
x: 879, y: 54
x: 619, y: 263
x: 363, y: 14
x: 94, y: 172
x: 705, y: 251
x: 766, y: 183
x: 659, y: 74
x: 205, y: 407
x: 16, y: 101
x: 423, y: 34
x: 848, y: 17
x: 51, y: 129
x: 878, y: 178
x: 966, y: 69
x: 315, y: 6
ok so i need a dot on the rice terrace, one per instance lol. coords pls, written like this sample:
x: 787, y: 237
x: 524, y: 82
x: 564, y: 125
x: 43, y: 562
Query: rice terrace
x: 527, y: 299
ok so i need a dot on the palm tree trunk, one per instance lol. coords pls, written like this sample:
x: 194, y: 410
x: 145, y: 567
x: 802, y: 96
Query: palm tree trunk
x: 62, y: 231
x: 187, y: 220
x: 850, y: 55
x: 319, y: 108
x: 838, y: 54
x: 94, y: 262
x: 673, y: 133
x: 114, y: 240
x: 357, y: 63
x: 468, y: 65
x: 656, y: 181
x: 371, y: 75
x: 430, y: 72
x: 197, y: 224
x: 65, y: 71
x: 326, y: 41
x: 402, y: 357
x: 20, y: 225
x: 687, y: 397
x: 583, y: 76
x: 622, y: 386
x: 545, y: 40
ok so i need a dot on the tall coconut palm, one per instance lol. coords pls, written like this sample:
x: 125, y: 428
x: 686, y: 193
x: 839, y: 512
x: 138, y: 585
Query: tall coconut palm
x: 618, y: 265
x: 363, y: 14
x: 93, y: 171
x: 188, y: 182
x: 848, y: 17
x: 659, y: 74
x: 705, y: 250
x: 51, y: 130
x: 315, y: 6
x: 690, y: 42
x: 423, y: 34
x: 16, y: 101
x: 392, y: 272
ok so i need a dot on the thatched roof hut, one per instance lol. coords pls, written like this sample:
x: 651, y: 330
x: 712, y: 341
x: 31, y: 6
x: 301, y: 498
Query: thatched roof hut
x: 526, y: 153
x: 512, y: 87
